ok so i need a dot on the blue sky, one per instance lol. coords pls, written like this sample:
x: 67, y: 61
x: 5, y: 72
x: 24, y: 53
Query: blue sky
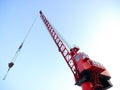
x: 93, y: 25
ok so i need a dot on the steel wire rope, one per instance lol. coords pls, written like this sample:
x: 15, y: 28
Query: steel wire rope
x: 10, y: 65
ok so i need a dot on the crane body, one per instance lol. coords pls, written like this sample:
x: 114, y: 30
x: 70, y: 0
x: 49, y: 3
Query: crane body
x: 88, y: 74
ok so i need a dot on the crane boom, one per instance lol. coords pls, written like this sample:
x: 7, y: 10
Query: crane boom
x: 88, y: 74
x: 61, y: 46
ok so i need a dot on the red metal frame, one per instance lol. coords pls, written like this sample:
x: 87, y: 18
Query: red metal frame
x: 87, y: 73
x: 65, y: 53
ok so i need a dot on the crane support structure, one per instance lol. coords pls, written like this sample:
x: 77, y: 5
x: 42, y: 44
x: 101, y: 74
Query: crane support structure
x: 88, y: 74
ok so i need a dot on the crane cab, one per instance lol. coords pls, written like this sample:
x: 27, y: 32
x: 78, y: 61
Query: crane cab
x: 89, y: 70
x: 85, y: 63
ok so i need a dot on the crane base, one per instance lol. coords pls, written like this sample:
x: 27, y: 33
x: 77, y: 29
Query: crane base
x: 87, y: 76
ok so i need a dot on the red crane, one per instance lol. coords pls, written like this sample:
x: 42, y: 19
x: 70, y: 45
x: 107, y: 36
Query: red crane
x: 88, y: 74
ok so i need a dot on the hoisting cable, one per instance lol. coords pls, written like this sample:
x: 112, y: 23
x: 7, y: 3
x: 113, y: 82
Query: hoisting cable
x: 11, y: 64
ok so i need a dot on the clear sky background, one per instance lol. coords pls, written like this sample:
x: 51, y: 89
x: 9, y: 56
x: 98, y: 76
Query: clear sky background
x: 93, y: 25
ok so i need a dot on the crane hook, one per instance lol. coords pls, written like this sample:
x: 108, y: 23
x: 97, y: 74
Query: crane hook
x: 10, y: 65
